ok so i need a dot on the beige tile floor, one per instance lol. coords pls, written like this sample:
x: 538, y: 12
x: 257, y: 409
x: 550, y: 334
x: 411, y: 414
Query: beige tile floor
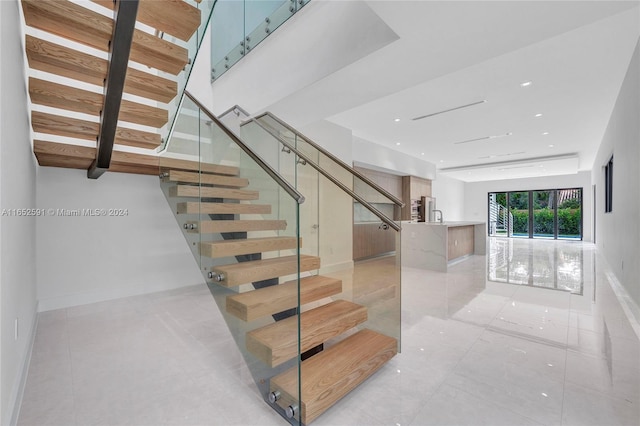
x: 474, y: 352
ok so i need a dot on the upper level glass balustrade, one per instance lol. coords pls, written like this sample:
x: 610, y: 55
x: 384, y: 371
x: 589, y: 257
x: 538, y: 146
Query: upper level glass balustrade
x: 193, y: 47
x: 239, y: 26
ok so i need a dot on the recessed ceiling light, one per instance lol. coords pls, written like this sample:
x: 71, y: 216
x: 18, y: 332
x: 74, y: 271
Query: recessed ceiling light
x: 422, y: 153
x: 538, y: 115
x: 396, y: 120
x: 442, y: 161
x: 397, y: 143
x: 550, y: 146
x: 545, y: 133
x: 526, y: 83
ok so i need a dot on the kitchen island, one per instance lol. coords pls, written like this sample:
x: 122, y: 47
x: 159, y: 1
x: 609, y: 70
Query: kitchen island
x: 435, y: 246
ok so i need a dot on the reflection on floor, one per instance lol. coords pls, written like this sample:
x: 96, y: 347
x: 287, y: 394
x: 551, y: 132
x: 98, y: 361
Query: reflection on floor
x: 550, y: 265
x: 474, y: 351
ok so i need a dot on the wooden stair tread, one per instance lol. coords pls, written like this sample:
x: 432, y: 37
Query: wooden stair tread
x: 257, y: 270
x: 174, y: 17
x: 56, y: 95
x: 219, y: 226
x: 82, y: 25
x: 333, y: 373
x: 207, y: 179
x: 222, y: 208
x: 52, y: 154
x: 191, y: 191
x: 179, y: 164
x: 53, y: 58
x: 238, y: 247
x: 271, y: 300
x: 72, y: 127
x: 277, y: 343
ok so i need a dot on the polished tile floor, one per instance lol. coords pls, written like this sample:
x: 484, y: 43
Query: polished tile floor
x: 532, y: 333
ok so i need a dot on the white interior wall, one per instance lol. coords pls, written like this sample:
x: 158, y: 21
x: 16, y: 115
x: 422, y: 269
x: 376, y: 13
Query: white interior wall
x: 18, y: 238
x: 94, y: 258
x: 378, y: 157
x: 618, y: 232
x: 476, y: 193
x: 335, y: 211
x: 449, y: 195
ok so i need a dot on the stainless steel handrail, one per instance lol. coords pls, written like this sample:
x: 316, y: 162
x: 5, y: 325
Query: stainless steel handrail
x: 234, y: 108
x: 345, y: 166
x: 328, y: 175
x: 266, y: 167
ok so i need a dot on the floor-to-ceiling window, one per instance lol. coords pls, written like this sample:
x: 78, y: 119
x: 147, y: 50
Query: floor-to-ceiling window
x: 570, y: 214
x: 544, y: 213
x: 519, y: 214
x: 549, y: 213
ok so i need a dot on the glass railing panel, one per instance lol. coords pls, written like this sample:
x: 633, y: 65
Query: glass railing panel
x: 217, y: 181
x: 354, y: 244
x: 227, y: 35
x: 206, y: 8
x: 239, y: 26
x: 296, y: 171
x: 382, y: 202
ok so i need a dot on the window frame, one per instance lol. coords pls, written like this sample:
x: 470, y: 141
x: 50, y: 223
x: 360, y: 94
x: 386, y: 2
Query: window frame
x: 608, y: 186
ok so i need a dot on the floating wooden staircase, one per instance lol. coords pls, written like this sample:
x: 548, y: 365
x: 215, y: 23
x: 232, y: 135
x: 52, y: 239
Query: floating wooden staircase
x: 67, y: 47
x: 70, y: 78
x: 326, y: 376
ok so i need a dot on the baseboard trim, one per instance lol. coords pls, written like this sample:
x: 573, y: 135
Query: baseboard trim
x: 17, y: 395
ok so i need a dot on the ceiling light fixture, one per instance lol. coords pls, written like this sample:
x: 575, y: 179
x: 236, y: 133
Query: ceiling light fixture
x: 397, y: 143
x: 545, y: 133
x: 396, y: 120
x: 422, y: 153
x: 550, y: 146
x: 538, y: 115
x: 526, y: 84
x: 449, y: 110
x: 484, y: 138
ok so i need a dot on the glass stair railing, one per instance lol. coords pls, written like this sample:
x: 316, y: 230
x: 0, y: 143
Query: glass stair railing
x: 310, y: 323
x: 242, y: 25
x: 241, y: 221
x: 375, y: 214
x: 192, y: 45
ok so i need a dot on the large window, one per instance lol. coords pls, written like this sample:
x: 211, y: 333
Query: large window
x: 549, y: 213
x: 608, y: 186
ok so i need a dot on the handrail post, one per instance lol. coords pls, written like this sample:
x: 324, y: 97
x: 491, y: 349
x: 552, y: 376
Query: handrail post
x: 124, y: 21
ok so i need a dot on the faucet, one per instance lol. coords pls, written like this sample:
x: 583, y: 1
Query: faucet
x: 439, y: 211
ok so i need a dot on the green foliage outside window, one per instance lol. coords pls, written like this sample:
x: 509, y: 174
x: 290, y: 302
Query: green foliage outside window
x: 568, y: 221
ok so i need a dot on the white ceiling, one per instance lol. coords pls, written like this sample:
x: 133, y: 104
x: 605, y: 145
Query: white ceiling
x: 455, y: 53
